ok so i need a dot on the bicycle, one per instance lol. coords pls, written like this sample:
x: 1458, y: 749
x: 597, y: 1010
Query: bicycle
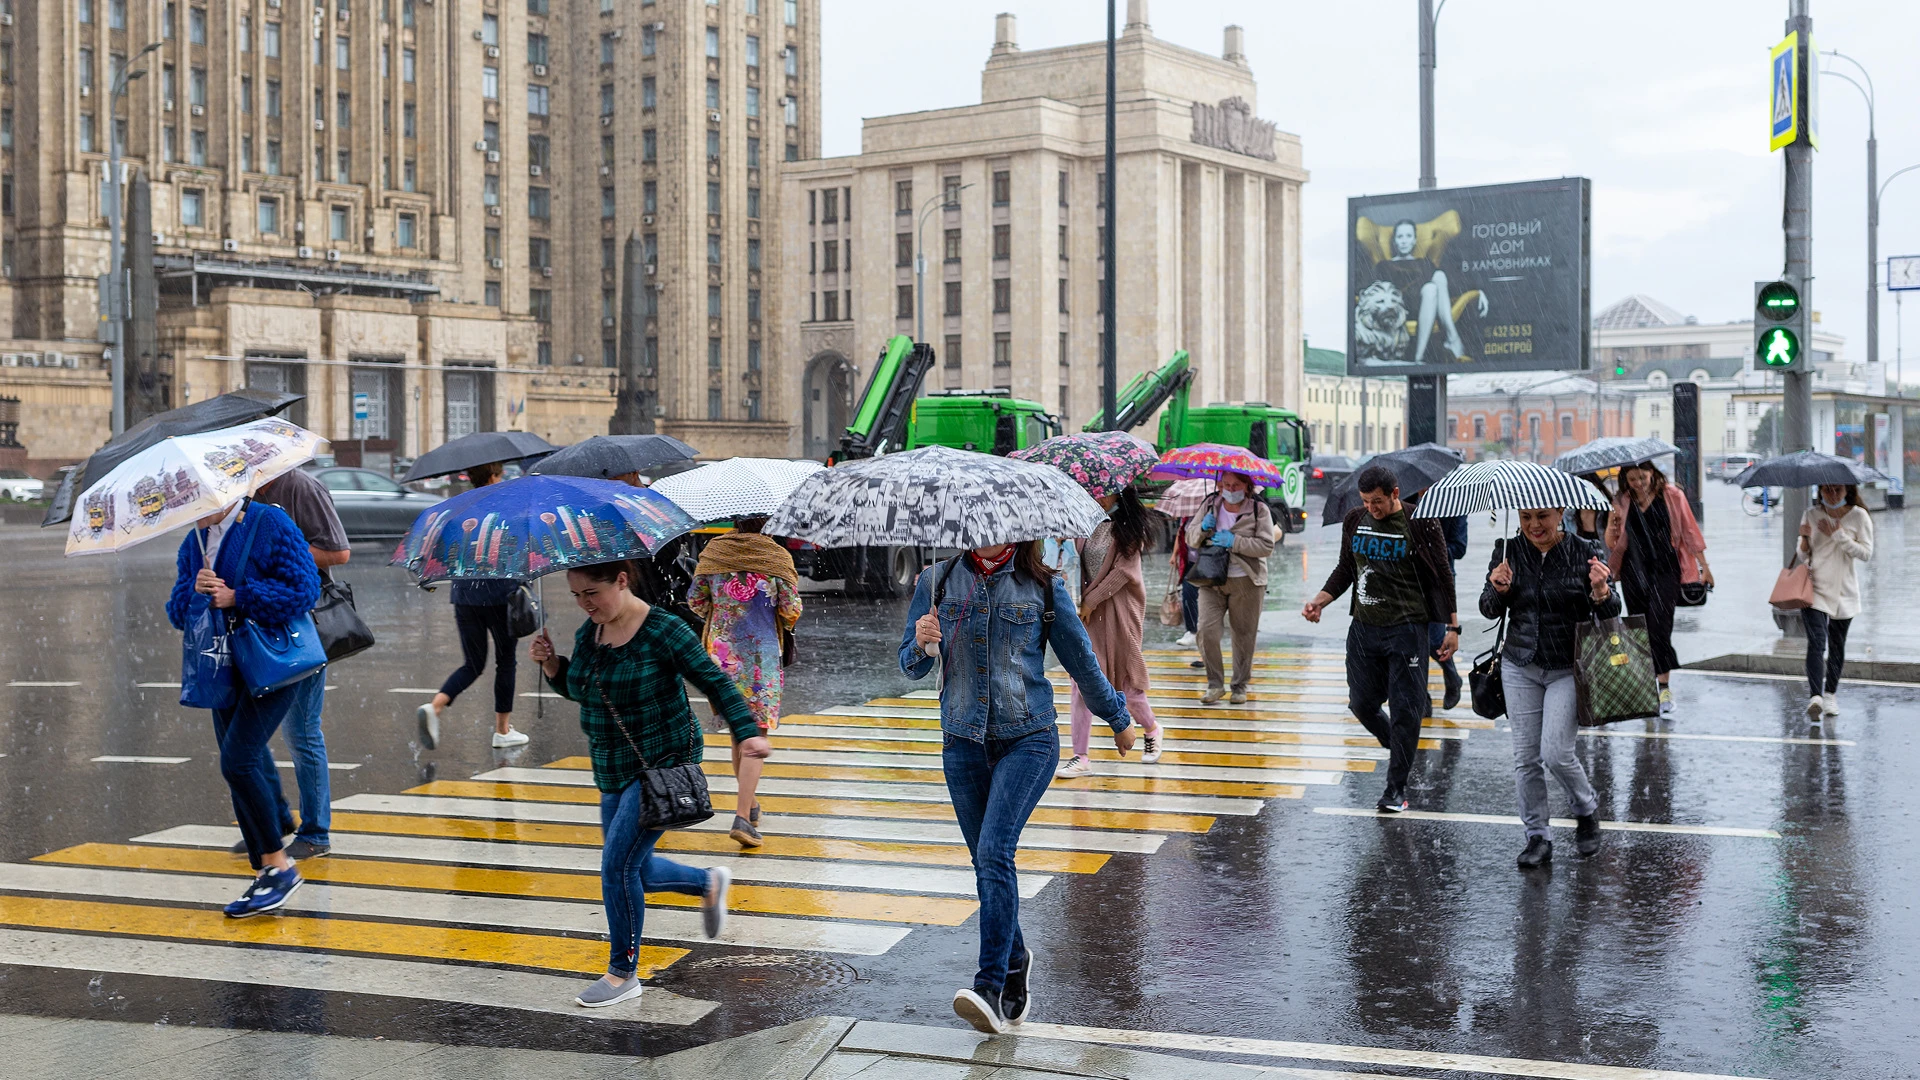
x: 1760, y: 500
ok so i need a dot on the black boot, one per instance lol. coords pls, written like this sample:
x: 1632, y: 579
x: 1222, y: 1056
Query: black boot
x: 1539, y: 853
x: 1586, y: 835
x: 1450, y: 673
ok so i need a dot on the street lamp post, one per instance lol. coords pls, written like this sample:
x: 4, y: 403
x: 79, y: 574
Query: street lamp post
x: 1874, y: 340
x: 1873, y: 202
x: 1427, y: 394
x: 944, y: 199
x: 113, y: 300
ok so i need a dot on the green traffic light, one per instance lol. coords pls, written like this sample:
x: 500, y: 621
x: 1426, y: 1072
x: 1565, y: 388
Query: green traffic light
x: 1779, y: 347
x: 1778, y: 301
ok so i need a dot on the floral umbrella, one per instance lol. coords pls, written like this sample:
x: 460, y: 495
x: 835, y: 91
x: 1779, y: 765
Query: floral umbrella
x: 1102, y: 462
x: 1212, y: 459
x: 529, y: 526
x: 183, y: 478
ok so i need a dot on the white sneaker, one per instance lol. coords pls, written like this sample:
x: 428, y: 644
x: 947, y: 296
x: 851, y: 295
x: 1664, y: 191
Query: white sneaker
x: 1830, y: 703
x: 1186, y: 640
x: 1075, y: 767
x: 1815, y: 707
x: 509, y: 737
x: 1666, y: 703
x: 1151, y: 745
x: 429, y: 721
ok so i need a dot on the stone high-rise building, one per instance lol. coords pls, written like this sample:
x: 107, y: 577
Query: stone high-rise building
x: 1004, y: 199
x: 419, y: 201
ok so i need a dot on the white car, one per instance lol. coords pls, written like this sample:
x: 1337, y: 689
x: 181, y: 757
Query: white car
x: 17, y: 486
x: 1733, y: 465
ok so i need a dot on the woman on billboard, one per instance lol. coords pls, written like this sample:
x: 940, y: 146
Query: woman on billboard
x: 1406, y: 264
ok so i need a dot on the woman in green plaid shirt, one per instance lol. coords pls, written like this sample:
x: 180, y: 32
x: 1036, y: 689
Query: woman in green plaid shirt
x: 628, y: 672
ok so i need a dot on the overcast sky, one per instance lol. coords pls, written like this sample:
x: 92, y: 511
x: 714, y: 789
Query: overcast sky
x: 1660, y: 102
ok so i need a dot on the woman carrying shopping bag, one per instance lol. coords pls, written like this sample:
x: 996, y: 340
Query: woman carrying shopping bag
x: 1546, y: 582
x: 1836, y: 536
x: 1655, y: 546
x: 1113, y: 605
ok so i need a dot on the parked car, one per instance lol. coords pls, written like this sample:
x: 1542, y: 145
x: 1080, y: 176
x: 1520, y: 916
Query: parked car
x: 1733, y: 465
x: 371, y: 505
x: 1326, y: 470
x: 17, y: 486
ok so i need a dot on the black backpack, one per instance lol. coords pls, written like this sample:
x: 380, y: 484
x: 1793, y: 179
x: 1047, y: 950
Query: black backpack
x: 1046, y: 614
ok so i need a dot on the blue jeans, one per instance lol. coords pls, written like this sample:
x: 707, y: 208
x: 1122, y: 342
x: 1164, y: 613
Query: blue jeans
x: 309, y: 748
x: 995, y: 786
x: 628, y: 870
x: 1541, y: 710
x: 247, y: 766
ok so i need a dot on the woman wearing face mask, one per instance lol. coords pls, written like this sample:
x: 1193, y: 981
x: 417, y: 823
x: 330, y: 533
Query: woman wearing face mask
x: 986, y: 616
x: 629, y: 669
x: 1654, y: 545
x: 1234, y: 519
x: 1836, y: 536
x: 1546, y: 582
x: 1113, y: 605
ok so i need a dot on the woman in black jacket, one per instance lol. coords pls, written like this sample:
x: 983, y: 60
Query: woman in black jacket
x: 479, y: 612
x: 1546, y: 582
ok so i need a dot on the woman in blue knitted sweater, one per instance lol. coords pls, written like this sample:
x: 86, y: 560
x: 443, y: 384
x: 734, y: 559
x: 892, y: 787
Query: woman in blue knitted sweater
x: 250, y: 560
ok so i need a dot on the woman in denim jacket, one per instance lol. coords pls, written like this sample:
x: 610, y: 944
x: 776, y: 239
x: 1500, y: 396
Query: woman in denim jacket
x: 998, y: 609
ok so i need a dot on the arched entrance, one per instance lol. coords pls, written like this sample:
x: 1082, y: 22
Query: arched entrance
x: 828, y: 397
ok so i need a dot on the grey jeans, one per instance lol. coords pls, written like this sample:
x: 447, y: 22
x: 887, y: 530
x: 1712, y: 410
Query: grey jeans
x: 1540, y: 705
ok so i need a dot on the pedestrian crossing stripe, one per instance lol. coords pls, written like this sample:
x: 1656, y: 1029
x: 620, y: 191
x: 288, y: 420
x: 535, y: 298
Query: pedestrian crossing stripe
x: 1131, y: 767
x: 1169, y: 720
x: 1187, y: 705
x: 554, y: 873
x: 932, y: 723
x: 1208, y: 753
x: 446, y: 943
x: 792, y: 823
x: 1148, y: 785
x: 500, y: 912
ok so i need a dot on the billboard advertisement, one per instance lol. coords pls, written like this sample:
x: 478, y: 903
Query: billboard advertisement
x: 1459, y: 280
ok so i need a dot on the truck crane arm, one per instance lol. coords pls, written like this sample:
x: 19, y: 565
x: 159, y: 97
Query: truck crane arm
x: 886, y: 407
x: 1144, y: 395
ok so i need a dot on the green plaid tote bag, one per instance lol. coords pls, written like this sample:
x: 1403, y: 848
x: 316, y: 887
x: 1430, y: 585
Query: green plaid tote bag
x: 1613, y: 671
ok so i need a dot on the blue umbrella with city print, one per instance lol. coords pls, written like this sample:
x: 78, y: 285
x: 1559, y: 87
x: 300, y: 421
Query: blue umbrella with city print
x: 530, y: 526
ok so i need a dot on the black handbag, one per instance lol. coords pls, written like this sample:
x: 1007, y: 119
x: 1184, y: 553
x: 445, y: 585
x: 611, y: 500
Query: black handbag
x: 342, y: 631
x: 523, y: 612
x: 671, y: 798
x: 1694, y: 594
x: 1483, y: 680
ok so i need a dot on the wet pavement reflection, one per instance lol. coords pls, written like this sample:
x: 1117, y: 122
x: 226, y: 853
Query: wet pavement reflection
x: 1761, y: 924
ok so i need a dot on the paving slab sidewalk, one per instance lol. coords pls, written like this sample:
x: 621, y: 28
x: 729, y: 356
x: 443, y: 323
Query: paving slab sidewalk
x: 823, y: 1048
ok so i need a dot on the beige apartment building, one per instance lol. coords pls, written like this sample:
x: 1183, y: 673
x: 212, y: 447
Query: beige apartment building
x: 1003, y: 198
x: 413, y: 206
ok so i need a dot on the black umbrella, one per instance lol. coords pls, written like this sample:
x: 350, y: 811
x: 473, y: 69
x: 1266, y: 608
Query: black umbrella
x: 608, y: 456
x: 1414, y: 468
x: 480, y: 448
x: 1806, y: 469
x: 212, y: 414
x: 1612, y: 452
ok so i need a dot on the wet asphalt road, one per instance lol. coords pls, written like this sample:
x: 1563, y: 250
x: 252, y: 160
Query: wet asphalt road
x: 1755, y: 955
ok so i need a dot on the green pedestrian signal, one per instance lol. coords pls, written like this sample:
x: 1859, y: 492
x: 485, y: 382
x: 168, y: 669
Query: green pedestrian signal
x: 1777, y: 301
x: 1779, y: 347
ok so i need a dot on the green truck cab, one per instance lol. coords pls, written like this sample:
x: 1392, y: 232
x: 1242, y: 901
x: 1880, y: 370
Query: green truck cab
x: 990, y: 421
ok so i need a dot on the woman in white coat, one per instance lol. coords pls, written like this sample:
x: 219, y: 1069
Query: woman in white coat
x: 1836, y: 535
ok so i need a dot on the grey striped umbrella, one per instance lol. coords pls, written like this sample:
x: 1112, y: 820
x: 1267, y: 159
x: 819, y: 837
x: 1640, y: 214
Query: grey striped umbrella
x: 1611, y: 452
x: 1506, y: 485
x: 936, y: 497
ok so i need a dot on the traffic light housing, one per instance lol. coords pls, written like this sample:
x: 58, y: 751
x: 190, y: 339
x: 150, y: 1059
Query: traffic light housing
x: 1779, y: 326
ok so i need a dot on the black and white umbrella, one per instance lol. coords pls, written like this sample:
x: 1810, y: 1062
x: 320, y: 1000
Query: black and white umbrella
x: 480, y: 448
x: 608, y: 456
x: 735, y: 488
x: 1806, y: 469
x: 1612, y: 452
x: 1506, y: 485
x: 936, y: 497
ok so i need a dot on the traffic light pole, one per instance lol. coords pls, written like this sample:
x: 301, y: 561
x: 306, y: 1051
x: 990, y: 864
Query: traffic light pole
x: 1426, y: 394
x: 1797, y: 402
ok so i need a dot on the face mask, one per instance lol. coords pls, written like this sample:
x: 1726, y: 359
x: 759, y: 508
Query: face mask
x: 1233, y: 498
x: 1833, y: 504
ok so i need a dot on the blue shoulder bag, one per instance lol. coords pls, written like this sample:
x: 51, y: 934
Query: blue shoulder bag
x: 271, y: 658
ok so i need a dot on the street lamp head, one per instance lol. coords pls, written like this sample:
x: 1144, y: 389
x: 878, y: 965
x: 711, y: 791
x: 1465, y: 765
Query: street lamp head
x: 132, y: 75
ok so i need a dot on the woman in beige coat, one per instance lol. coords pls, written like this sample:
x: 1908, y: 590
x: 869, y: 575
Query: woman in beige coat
x: 1836, y: 536
x: 1113, y: 605
x: 1238, y: 520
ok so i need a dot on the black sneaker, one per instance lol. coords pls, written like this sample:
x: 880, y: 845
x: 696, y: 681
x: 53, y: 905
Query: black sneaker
x: 1016, y: 998
x: 981, y: 1008
x: 1539, y: 853
x: 303, y: 849
x: 1393, y: 800
x: 1586, y: 835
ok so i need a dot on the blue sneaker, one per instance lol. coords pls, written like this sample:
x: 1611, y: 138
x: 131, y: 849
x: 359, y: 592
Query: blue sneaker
x: 268, y: 891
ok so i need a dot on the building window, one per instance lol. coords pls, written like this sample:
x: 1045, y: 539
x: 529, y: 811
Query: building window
x: 246, y: 153
x: 606, y: 98
x: 490, y: 134
x: 196, y: 26
x: 540, y: 100
x: 649, y: 93
x: 606, y: 48
x: 1002, y: 354
x: 713, y: 43
x: 830, y: 206
x: 193, y: 208
x: 168, y: 13
x: 169, y: 149
x: 489, y: 29
x: 1003, y: 241
x: 950, y: 353
x: 793, y: 12
x: 116, y: 14
x: 342, y: 53
x: 713, y: 145
x: 490, y: 243
x: 830, y: 256
x: 1002, y: 295
x: 713, y: 301
x: 490, y: 83
x: 830, y: 306
x: 1566, y: 425
x: 713, y: 403
x: 903, y: 249
x: 273, y: 157
x: 86, y: 133
x: 649, y: 146
x: 1002, y: 188
x: 753, y: 51
x: 648, y: 41
x: 951, y: 304
x: 536, y: 48
x: 273, y: 98
x: 753, y: 153
x: 953, y: 245
x: 792, y: 109
x: 903, y: 302
x: 753, y: 101
x: 539, y: 252
x: 405, y: 233
x: 539, y: 203
x: 753, y: 203
x: 540, y: 304
x: 792, y: 57
x: 713, y: 354
x: 197, y: 147
x: 1063, y: 296
x: 342, y: 109
x: 713, y: 197
x: 650, y: 197
x: 950, y: 192
x: 713, y: 249
x: 344, y: 167
x: 713, y: 93
x: 1065, y: 357
x: 406, y: 65
x: 86, y: 11
x: 540, y: 151
x: 753, y: 254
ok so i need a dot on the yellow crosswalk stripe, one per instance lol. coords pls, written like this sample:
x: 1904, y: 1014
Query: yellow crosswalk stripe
x: 926, y: 723
x: 1146, y: 784
x: 545, y: 884
x: 333, y: 935
x: 1132, y: 820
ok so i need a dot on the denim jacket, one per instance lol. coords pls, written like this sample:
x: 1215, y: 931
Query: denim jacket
x: 996, y: 668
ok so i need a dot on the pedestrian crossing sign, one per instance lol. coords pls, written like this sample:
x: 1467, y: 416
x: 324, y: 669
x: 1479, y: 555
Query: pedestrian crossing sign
x: 1783, y: 106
